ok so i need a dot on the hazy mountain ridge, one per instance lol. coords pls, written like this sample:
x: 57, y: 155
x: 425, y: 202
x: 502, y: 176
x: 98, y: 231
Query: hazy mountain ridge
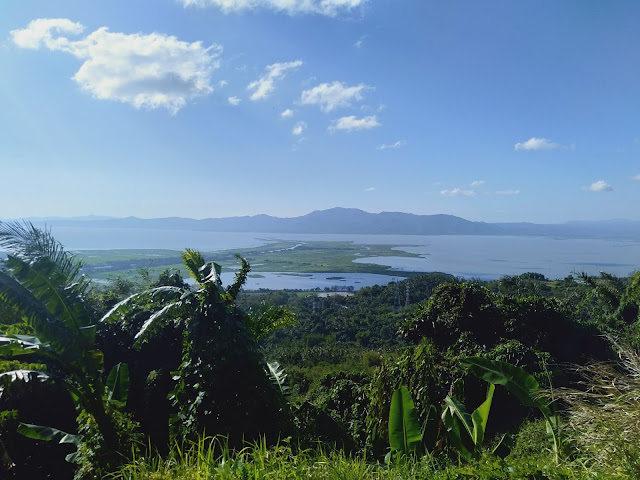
x: 354, y: 221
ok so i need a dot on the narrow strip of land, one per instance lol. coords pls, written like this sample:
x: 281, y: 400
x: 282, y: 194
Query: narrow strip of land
x: 292, y: 257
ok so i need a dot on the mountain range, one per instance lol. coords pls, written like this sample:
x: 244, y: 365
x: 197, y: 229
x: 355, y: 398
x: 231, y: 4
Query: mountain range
x: 355, y: 221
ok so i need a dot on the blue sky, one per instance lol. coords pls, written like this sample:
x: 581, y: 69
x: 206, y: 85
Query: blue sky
x: 495, y: 111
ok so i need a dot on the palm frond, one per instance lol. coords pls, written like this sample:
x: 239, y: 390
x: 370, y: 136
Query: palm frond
x: 278, y: 377
x: 49, y: 327
x: 267, y: 318
x: 194, y: 261
x: 51, y: 287
x: 241, y: 278
x: 29, y: 243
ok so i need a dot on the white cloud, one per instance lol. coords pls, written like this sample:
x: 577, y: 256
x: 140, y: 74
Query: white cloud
x: 222, y: 83
x: 234, y: 101
x: 508, y: 192
x: 599, y: 186
x: 39, y: 33
x: 330, y: 96
x: 299, y: 128
x: 353, y: 123
x: 369, y: 189
x: 537, y: 144
x: 391, y: 146
x: 329, y: 8
x: 477, y: 183
x: 458, y: 192
x: 287, y: 113
x: 265, y: 84
x: 360, y: 42
x: 149, y: 71
x: 636, y: 177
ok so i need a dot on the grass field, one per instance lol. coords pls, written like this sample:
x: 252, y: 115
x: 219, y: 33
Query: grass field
x: 295, y: 258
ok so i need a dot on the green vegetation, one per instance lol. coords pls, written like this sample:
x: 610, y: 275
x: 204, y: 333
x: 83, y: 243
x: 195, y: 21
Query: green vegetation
x: 153, y: 378
x: 286, y: 257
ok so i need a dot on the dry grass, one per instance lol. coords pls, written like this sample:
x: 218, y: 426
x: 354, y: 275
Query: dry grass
x: 604, y: 417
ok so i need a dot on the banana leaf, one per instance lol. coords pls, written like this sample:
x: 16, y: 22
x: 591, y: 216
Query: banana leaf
x: 480, y: 416
x: 39, y: 432
x: 23, y: 375
x: 19, y: 345
x: 118, y: 384
x: 451, y: 411
x: 405, y: 435
x: 515, y: 379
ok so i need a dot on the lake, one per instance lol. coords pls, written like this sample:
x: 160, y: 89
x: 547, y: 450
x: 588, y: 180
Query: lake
x: 468, y: 256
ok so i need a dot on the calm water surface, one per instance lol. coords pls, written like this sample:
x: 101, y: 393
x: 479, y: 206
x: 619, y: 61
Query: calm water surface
x: 486, y: 257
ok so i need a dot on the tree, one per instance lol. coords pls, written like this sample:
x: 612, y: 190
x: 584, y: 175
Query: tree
x: 459, y: 314
x: 43, y: 283
x: 221, y: 386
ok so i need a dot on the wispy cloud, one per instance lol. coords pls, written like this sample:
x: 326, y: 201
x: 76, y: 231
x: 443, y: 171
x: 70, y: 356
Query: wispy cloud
x: 458, y: 192
x: 360, y: 42
x: 477, y: 183
x: 508, y: 192
x: 599, y: 186
x: 298, y: 144
x: 263, y: 87
x: 535, y: 143
x: 234, y: 101
x: 392, y: 146
x: 146, y: 71
x: 329, y: 8
x: 636, y: 177
x: 369, y: 189
x: 353, y: 123
x: 299, y: 128
x: 329, y: 96
x: 287, y: 113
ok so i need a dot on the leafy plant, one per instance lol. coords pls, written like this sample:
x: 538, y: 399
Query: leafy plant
x: 475, y: 424
x: 220, y: 385
x: 43, y: 282
x: 522, y: 385
x: 278, y: 377
x: 268, y: 317
x: 405, y: 436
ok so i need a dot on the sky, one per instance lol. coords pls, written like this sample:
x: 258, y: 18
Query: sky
x: 497, y: 111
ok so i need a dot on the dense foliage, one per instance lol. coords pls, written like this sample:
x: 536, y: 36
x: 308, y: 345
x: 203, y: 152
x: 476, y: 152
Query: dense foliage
x: 436, y: 376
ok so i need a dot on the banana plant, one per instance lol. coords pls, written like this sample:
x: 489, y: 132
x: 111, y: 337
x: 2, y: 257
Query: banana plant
x: 522, y: 385
x: 475, y: 424
x: 405, y: 435
x: 43, y: 282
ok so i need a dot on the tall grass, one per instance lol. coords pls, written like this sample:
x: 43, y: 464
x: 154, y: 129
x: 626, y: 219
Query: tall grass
x: 604, y: 417
x: 211, y: 458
